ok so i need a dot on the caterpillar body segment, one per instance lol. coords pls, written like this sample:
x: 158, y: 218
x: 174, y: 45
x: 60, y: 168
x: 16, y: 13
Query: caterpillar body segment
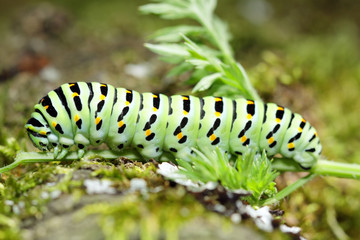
x: 150, y: 126
x: 182, y: 126
x: 84, y: 114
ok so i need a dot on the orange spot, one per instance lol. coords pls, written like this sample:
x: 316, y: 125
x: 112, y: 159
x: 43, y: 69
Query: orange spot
x: 250, y: 102
x: 212, y: 137
x: 278, y: 120
x: 218, y: 99
x: 97, y: 120
x: 75, y: 94
x: 54, y: 124
x: 185, y: 98
x: 303, y: 120
x: 280, y: 108
x: 155, y: 109
x: 271, y: 140
x: 249, y: 116
x: 217, y: 114
x: 291, y: 145
x: 315, y: 134
x: 42, y: 132
x: 127, y: 103
x: 41, y: 100
x: 121, y: 123
x: 185, y: 112
x: 148, y: 132
x: 102, y: 97
x: 76, y: 118
x: 46, y: 107
x: 179, y: 136
x: 243, y: 138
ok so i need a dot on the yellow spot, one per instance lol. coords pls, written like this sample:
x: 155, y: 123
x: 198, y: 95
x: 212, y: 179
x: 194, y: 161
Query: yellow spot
x: 212, y: 137
x: 249, y: 116
x: 271, y: 140
x: 303, y: 120
x: 179, y: 136
x: 75, y: 94
x: 148, y: 132
x: 97, y: 120
x: 300, y: 129
x: 155, y: 96
x: 185, y: 112
x: 127, y: 91
x: 102, y: 97
x: 315, y: 134
x: 155, y: 109
x: 54, y: 124
x: 185, y: 98
x: 243, y: 138
x: 278, y: 120
x: 218, y: 99
x: 217, y: 114
x: 42, y: 132
x: 250, y: 102
x: 280, y: 108
x: 127, y: 103
x: 103, y: 85
x: 121, y: 123
x: 72, y: 84
x: 291, y: 145
x: 31, y: 128
x: 46, y: 107
x: 76, y: 118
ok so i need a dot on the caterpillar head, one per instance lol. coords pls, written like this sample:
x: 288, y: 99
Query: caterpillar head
x: 37, y: 130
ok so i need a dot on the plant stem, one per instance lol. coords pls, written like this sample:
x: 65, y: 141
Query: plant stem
x: 289, y: 189
x: 322, y: 167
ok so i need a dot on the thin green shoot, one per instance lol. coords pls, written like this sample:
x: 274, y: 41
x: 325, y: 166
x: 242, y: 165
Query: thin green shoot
x: 251, y: 172
x: 203, y: 49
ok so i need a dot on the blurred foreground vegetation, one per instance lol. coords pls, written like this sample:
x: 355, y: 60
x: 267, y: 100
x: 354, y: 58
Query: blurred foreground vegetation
x: 304, y: 55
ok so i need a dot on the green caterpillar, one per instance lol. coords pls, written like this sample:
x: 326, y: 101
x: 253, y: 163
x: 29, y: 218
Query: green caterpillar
x: 84, y: 114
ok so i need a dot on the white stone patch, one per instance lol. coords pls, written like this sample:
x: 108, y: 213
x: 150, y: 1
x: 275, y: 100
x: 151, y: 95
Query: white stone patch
x: 9, y: 202
x: 138, y: 184
x: 287, y: 229
x: 219, y: 208
x: 172, y: 172
x: 262, y: 217
x: 50, y: 73
x: 235, y: 218
x: 55, y: 194
x: 140, y: 70
x: 96, y: 186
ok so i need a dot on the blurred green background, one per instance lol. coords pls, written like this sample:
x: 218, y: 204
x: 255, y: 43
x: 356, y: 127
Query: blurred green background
x: 302, y: 54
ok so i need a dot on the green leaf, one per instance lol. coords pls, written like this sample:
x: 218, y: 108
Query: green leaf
x: 168, y: 49
x: 166, y: 10
x: 174, y: 34
x: 206, y: 82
